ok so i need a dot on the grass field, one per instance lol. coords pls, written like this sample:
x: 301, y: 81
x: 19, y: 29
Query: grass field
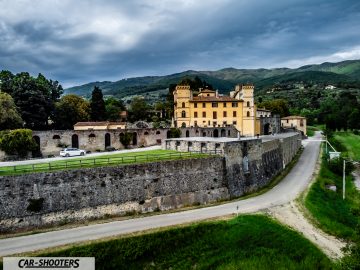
x: 351, y: 142
x: 245, y: 242
x: 106, y: 160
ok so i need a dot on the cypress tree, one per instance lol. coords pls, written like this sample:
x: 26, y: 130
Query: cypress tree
x: 97, y: 105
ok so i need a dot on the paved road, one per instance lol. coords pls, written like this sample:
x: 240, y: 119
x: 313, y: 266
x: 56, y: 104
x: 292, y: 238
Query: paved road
x: 293, y: 184
x: 42, y: 160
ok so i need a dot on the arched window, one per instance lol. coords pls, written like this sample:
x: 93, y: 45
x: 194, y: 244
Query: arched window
x: 183, y: 125
x: 183, y: 105
x: 146, y: 133
x: 183, y: 114
x: 92, y: 135
x: 187, y: 134
x: 248, y: 103
x: 157, y: 132
x: 56, y: 137
x: 248, y: 114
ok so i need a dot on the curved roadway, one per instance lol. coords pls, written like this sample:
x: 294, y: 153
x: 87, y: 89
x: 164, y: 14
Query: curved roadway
x: 287, y: 190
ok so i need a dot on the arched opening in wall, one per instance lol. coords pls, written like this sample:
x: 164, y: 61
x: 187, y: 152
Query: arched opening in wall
x: 248, y: 114
x: 204, y: 134
x: 75, y: 141
x: 157, y: 132
x: 216, y: 133
x: 107, y: 140
x: 187, y: 134
x: 146, y: 133
x: 183, y: 105
x: 183, y: 125
x: 183, y: 114
x: 92, y: 135
x: 229, y: 133
x: 56, y: 137
x: 36, y: 152
x: 203, y: 147
x: 134, y: 140
x: 248, y: 104
x: 168, y: 134
x: 223, y: 133
x: 267, y: 129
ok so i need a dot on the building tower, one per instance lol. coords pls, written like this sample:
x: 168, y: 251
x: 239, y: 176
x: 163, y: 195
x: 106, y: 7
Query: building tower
x: 246, y: 93
x: 182, y: 96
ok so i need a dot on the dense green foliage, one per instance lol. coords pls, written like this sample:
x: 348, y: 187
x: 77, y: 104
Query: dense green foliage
x: 246, y: 242
x: 139, y: 110
x: 276, y: 106
x: 114, y: 107
x: 70, y: 110
x: 17, y: 142
x: 34, y: 97
x: 9, y: 116
x: 126, y: 138
x: 97, y: 105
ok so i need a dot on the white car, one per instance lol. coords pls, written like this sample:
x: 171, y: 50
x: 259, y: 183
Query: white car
x: 70, y: 152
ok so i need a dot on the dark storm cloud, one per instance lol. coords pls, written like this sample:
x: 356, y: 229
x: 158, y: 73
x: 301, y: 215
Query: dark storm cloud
x: 109, y: 40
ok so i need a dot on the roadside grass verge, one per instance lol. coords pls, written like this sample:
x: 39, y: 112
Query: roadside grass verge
x: 106, y: 160
x: 331, y: 213
x: 244, y: 242
x: 351, y: 143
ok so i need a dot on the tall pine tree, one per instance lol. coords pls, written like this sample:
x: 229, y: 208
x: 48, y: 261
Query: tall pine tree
x: 97, y: 105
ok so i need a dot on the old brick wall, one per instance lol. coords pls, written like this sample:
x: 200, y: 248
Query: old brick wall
x: 45, y: 198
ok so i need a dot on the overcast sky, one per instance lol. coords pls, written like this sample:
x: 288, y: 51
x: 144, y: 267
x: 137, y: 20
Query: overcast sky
x: 81, y: 41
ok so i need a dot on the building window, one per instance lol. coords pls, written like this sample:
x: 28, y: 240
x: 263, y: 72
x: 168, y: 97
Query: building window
x: 248, y: 114
x: 234, y: 113
x: 214, y: 104
x: 224, y: 114
x: 183, y: 114
x: 248, y: 104
x: 224, y: 123
x: 214, y: 123
x: 195, y: 105
x: 214, y: 115
x: 234, y: 122
x: 183, y: 105
x: 92, y: 135
x: 208, y: 95
x: 301, y: 123
x: 204, y: 104
x: 195, y: 123
x: 56, y: 137
x: 204, y: 114
x: 234, y: 104
x: 195, y: 114
x: 146, y: 133
x: 287, y: 120
x: 224, y: 104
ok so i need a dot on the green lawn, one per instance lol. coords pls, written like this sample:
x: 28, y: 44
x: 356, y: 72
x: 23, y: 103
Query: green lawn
x: 351, y: 142
x: 245, y: 242
x: 106, y: 160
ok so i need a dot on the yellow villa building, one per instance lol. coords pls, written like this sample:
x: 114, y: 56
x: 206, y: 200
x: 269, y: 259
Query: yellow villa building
x: 209, y: 109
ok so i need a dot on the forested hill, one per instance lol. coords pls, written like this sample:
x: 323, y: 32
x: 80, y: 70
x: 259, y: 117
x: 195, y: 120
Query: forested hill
x: 339, y: 74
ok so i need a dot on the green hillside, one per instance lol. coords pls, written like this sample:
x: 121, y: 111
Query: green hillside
x: 347, y: 72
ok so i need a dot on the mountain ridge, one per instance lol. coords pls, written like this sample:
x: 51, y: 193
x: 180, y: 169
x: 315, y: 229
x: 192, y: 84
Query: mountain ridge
x: 224, y: 79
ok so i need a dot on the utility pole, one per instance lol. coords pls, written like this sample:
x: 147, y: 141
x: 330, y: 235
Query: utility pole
x: 344, y: 180
x: 326, y: 142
